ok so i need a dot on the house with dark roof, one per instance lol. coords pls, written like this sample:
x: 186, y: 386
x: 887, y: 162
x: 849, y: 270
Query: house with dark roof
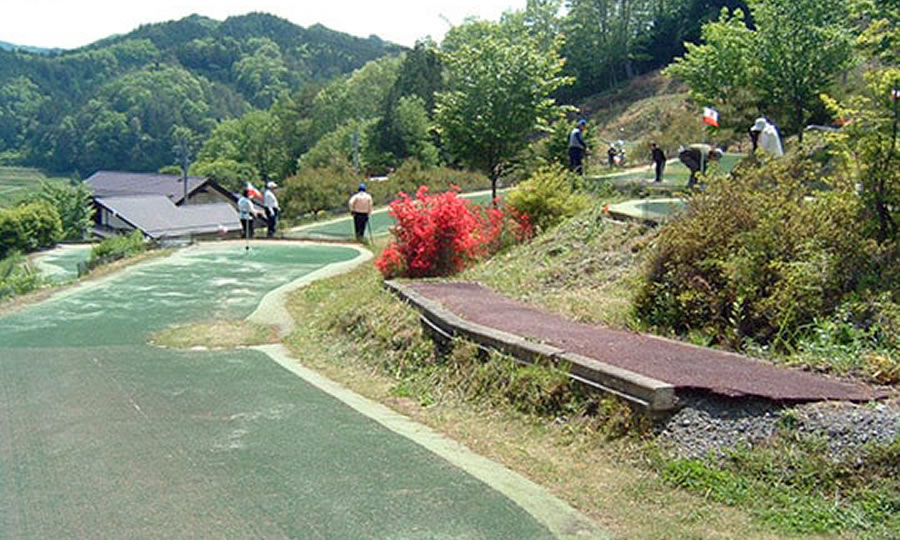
x: 162, y: 206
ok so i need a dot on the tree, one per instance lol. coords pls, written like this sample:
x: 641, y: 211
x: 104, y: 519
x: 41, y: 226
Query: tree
x: 800, y: 46
x: 73, y: 204
x: 721, y: 65
x: 793, y: 56
x: 498, y: 94
x: 250, y: 142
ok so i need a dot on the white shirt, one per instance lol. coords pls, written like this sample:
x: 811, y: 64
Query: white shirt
x: 361, y: 203
x: 269, y: 200
x: 245, y: 207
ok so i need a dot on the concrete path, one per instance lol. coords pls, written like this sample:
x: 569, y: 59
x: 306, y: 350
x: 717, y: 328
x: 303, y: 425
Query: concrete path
x: 685, y: 366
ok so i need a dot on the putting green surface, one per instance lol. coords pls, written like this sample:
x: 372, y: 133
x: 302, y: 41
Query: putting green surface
x: 61, y: 264
x: 104, y: 436
x: 380, y: 221
x: 675, y: 175
x: 649, y: 209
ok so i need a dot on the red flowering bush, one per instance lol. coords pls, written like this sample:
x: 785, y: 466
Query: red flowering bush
x: 438, y: 235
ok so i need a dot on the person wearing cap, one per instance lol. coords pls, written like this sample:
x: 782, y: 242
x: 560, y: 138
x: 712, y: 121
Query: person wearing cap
x: 360, y: 207
x: 270, y: 203
x: 758, y: 126
x: 577, y: 147
x: 695, y: 157
x: 245, y: 212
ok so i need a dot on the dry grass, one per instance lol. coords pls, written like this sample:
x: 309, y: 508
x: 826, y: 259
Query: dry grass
x: 584, y: 270
x: 349, y: 329
x: 215, y: 335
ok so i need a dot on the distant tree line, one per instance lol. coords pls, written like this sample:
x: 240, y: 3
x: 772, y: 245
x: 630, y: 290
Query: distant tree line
x: 115, y: 103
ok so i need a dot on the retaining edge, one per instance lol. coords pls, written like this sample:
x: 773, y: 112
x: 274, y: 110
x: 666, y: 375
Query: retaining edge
x: 649, y: 393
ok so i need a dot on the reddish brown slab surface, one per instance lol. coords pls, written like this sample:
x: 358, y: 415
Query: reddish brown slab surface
x: 682, y: 365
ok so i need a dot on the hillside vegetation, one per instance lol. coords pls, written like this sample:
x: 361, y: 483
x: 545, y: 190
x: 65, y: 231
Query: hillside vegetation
x: 113, y: 104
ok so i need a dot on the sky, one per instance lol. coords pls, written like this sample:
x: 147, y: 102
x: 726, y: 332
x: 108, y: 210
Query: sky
x: 69, y: 24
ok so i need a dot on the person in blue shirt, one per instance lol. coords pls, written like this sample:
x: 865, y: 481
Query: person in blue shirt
x: 577, y: 147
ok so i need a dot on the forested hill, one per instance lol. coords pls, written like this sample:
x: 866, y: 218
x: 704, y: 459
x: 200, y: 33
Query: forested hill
x: 113, y: 104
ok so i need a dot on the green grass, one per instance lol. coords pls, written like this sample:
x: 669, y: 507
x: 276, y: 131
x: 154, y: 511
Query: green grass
x: 586, y: 269
x: 675, y: 175
x: 16, y: 183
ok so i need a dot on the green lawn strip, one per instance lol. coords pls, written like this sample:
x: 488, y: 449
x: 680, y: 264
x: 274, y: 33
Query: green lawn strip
x: 16, y: 183
x: 380, y: 222
x: 793, y: 486
x: 675, y: 174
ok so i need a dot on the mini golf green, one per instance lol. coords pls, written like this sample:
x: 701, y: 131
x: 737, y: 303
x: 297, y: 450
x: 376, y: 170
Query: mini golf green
x: 675, y: 175
x: 102, y: 435
x: 380, y: 221
x: 658, y: 210
x: 61, y: 264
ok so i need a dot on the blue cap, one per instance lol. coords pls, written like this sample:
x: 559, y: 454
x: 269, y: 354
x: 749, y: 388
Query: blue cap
x: 582, y: 122
x: 362, y: 186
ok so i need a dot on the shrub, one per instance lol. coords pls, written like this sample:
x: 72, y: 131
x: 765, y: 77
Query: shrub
x: 318, y: 189
x: 547, y: 198
x: 29, y: 227
x: 412, y: 174
x: 16, y: 276
x: 118, y: 247
x: 72, y: 203
x: 437, y: 235
x: 757, y: 257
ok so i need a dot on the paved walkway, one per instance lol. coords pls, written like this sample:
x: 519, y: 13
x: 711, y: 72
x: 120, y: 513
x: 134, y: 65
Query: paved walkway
x: 686, y: 367
x: 104, y: 436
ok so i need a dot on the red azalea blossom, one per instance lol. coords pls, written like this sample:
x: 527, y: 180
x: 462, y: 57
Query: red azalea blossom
x: 438, y: 235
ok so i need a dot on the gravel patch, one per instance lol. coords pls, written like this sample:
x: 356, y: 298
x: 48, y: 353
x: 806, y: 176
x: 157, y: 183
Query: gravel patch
x: 709, y: 425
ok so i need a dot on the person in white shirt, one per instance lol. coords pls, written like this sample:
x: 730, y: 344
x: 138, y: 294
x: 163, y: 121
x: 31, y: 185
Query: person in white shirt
x: 270, y: 203
x: 360, y: 207
x: 245, y: 209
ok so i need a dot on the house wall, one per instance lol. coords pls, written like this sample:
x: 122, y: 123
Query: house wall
x: 106, y: 218
x: 208, y: 196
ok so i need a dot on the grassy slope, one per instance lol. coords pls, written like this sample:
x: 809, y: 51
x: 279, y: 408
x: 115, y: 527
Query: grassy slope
x: 355, y: 332
x: 16, y: 183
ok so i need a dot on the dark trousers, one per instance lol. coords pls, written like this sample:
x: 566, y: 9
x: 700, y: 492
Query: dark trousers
x: 692, y: 159
x: 360, y: 220
x: 576, y: 159
x: 247, y: 228
x: 660, y: 166
x: 271, y: 222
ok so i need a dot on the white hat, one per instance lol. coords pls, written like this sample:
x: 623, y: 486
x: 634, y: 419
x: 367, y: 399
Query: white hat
x: 271, y: 185
x: 760, y: 124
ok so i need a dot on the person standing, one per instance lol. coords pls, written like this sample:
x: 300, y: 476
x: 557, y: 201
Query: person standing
x: 360, y: 207
x: 611, y: 154
x: 245, y: 211
x: 659, y: 160
x: 758, y: 126
x: 577, y: 147
x: 270, y: 203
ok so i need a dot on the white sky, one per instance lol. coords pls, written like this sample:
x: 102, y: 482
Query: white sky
x: 72, y: 23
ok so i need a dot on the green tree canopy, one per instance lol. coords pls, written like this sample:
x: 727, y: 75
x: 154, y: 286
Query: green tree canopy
x: 498, y: 94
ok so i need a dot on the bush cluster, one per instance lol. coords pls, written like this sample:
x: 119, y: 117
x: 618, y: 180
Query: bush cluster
x: 760, y: 257
x: 438, y: 235
x: 29, y: 227
x: 16, y: 276
x: 113, y: 249
x: 547, y: 198
x: 316, y: 190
